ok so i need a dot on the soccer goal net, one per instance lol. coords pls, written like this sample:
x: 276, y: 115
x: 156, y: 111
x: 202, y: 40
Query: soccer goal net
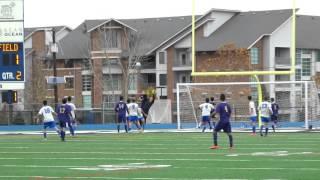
x: 298, y: 101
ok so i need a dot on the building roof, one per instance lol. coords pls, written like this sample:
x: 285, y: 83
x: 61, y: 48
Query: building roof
x: 153, y: 31
x: 308, y: 29
x: 29, y: 31
x: 244, y: 29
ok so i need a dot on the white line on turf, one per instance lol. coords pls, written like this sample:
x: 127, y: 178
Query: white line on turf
x: 108, y: 177
x: 156, y: 159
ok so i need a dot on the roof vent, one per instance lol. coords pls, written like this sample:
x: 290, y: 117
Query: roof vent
x: 254, y: 13
x: 241, y: 14
x: 158, y: 19
x: 313, y: 18
x: 145, y: 21
x: 170, y: 19
x: 182, y: 18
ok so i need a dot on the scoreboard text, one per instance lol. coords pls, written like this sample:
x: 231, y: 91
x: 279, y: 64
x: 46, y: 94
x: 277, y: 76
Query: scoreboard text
x: 11, y: 62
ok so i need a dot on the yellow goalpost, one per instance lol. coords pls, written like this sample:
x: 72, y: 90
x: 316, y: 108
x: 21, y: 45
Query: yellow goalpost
x: 247, y: 73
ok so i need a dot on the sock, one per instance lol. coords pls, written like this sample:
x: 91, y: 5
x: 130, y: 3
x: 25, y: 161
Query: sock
x: 230, y: 140
x: 273, y: 127
x: 261, y: 128
x: 126, y: 128
x: 254, y: 129
x: 210, y: 125
x: 204, y: 128
x: 45, y: 135
x: 118, y: 127
x: 215, y: 138
x: 266, y: 131
x: 63, y: 135
x: 71, y: 130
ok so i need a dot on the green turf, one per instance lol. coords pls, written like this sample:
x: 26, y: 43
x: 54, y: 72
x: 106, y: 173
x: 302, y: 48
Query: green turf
x: 188, y: 154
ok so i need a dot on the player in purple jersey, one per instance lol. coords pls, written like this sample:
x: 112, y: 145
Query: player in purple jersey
x: 224, y: 111
x: 274, y: 115
x: 121, y: 110
x: 64, y: 116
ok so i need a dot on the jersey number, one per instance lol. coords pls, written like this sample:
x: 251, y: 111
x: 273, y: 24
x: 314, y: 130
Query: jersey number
x: 62, y: 110
x: 47, y: 110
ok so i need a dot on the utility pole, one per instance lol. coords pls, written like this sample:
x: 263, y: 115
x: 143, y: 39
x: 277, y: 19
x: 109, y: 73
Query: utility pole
x: 54, y: 58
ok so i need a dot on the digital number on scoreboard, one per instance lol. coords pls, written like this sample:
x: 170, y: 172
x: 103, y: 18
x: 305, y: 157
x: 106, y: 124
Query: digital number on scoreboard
x: 11, y: 62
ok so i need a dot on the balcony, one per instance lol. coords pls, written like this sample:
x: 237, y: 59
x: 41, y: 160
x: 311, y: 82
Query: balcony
x: 282, y: 62
x: 182, y: 66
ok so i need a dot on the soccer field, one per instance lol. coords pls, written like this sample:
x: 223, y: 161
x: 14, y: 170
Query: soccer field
x: 167, y: 156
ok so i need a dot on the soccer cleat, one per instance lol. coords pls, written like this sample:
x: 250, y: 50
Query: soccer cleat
x: 231, y: 148
x: 214, y: 147
x: 253, y: 134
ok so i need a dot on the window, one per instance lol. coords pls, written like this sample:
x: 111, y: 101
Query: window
x: 298, y: 75
x: 306, y: 51
x: 68, y: 63
x: 163, y: 80
x: 306, y: 67
x: 87, y: 101
x: 112, y: 38
x: 112, y: 82
x: 69, y: 83
x: 162, y: 58
x: 86, y: 64
x: 298, y: 56
x: 318, y: 56
x: 183, y: 79
x: 254, y: 53
x: 132, y: 82
x: 112, y: 61
x: 86, y: 83
x: 183, y: 59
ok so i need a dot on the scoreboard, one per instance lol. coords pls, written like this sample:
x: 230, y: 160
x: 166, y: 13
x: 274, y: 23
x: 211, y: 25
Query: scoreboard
x: 11, y: 62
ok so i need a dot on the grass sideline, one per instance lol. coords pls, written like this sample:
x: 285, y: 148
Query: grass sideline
x: 168, y: 156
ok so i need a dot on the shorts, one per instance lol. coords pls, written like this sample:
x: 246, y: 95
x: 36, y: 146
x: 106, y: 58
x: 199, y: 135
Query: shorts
x: 140, y: 118
x: 265, y: 119
x: 253, y: 118
x: 62, y: 124
x: 133, y: 118
x: 50, y: 124
x: 225, y: 126
x: 122, y: 119
x: 206, y: 118
x: 274, y: 118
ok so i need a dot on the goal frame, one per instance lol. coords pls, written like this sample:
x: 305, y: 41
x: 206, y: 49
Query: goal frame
x: 304, y: 83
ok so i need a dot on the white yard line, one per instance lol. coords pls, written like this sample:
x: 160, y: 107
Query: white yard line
x: 108, y: 177
x: 158, y: 159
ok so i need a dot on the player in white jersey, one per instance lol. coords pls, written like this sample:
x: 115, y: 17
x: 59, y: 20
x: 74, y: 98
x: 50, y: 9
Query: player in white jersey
x: 253, y: 115
x: 48, y: 121
x: 72, y: 124
x: 206, y: 109
x: 265, y: 112
x: 140, y: 118
x: 133, y: 113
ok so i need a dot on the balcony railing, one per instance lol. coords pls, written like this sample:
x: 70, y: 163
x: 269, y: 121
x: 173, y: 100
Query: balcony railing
x: 283, y: 61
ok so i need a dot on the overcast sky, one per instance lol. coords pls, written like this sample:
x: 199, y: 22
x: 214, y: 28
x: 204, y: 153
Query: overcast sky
x: 71, y: 13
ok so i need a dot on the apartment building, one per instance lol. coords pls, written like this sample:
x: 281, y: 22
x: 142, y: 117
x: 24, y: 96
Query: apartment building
x: 90, y: 56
